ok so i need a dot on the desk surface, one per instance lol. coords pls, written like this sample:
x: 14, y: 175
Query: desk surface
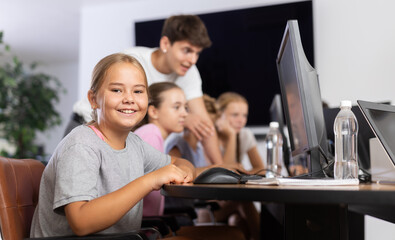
x: 363, y: 194
x: 303, y: 203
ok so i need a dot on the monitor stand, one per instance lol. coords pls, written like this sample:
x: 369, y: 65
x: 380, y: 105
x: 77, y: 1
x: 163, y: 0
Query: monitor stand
x: 381, y: 166
x: 319, y: 166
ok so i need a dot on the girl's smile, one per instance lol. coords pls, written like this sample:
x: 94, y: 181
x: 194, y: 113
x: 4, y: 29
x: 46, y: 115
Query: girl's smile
x: 122, y: 100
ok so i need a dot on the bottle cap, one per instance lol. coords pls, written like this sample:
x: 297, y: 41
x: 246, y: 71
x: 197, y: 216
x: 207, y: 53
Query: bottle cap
x: 273, y: 124
x: 345, y: 103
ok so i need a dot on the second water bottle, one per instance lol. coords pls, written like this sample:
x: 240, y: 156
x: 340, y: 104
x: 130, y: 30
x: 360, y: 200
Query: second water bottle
x: 274, y: 146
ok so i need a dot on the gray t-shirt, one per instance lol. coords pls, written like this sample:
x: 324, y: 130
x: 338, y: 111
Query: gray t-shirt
x: 84, y: 167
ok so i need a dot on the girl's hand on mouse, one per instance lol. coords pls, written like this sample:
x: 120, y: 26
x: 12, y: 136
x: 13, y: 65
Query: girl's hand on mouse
x: 169, y: 174
x: 190, y: 173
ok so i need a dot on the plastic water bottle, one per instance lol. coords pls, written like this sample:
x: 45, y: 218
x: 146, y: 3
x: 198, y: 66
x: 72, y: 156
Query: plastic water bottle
x: 274, y: 150
x: 346, y: 131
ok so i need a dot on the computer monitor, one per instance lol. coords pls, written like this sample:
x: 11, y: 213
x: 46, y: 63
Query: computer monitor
x: 276, y: 115
x: 302, y: 103
x: 381, y: 119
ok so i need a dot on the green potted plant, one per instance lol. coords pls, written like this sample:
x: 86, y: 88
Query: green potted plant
x: 27, y: 103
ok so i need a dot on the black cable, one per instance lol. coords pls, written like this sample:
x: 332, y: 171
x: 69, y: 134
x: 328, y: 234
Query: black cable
x: 365, y: 171
x: 312, y: 173
x: 330, y: 163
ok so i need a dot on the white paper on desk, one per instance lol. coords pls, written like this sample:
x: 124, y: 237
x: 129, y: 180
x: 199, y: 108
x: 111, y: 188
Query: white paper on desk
x: 318, y: 182
x: 304, y: 182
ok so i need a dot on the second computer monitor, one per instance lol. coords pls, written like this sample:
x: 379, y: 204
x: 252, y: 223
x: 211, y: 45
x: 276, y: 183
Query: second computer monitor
x: 276, y: 115
x: 302, y: 102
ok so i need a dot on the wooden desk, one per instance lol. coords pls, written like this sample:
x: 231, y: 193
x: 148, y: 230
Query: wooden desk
x: 311, y: 212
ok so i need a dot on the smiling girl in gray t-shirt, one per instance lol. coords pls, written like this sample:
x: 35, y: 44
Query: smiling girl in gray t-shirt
x: 99, y: 173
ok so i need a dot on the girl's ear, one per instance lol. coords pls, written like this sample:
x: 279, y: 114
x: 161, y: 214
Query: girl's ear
x: 164, y: 44
x: 152, y: 112
x: 92, y: 99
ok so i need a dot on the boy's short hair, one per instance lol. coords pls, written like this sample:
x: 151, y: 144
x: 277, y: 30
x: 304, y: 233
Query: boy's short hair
x: 186, y: 28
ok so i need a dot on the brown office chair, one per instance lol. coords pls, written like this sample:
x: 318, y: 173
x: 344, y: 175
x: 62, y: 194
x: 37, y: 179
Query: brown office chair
x: 19, y: 186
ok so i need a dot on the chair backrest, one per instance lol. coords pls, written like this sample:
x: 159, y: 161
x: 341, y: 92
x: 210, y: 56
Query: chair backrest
x: 19, y: 187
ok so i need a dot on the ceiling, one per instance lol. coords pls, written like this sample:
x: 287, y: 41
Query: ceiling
x: 43, y: 30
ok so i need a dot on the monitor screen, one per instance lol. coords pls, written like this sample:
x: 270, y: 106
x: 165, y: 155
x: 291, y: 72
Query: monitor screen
x: 302, y: 102
x: 276, y: 115
x: 381, y: 118
x: 276, y: 111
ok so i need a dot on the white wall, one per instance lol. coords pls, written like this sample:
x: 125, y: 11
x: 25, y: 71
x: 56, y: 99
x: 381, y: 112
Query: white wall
x: 378, y: 229
x: 67, y: 73
x: 354, y: 49
x: 354, y: 46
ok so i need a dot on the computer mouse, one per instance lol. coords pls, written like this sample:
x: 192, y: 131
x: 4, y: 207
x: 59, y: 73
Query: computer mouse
x: 217, y: 175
